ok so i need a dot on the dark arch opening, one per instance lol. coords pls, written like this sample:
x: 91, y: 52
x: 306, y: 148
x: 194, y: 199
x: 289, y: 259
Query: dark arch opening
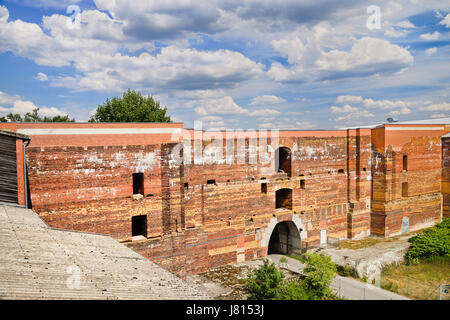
x: 285, y: 239
x: 283, y: 199
x: 283, y: 160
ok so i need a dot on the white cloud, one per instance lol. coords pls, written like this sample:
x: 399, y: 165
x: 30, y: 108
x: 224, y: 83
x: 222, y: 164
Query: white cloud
x: 16, y: 104
x: 444, y: 106
x: 279, y: 73
x: 345, y: 109
x: 440, y: 115
x: 224, y: 105
x: 368, y: 56
x: 355, y: 115
x: 430, y: 36
x: 401, y: 111
x: 41, y: 77
x: 264, y: 112
x: 385, y: 104
x: 265, y: 100
x: 349, y: 99
x: 394, y: 33
x: 7, y: 99
x: 94, y: 51
x: 405, y: 24
x: 446, y: 21
x: 431, y: 51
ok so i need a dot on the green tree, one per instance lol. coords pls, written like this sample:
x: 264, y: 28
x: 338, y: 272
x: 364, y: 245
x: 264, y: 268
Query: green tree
x: 264, y: 282
x: 131, y: 107
x: 320, y: 270
x: 34, y: 117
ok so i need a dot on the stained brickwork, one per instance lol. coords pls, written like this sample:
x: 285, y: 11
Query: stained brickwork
x: 446, y: 175
x: 221, y: 207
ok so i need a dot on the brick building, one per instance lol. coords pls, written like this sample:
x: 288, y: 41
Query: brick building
x: 190, y: 200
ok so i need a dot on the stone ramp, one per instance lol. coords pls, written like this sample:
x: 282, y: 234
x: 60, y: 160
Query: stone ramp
x: 39, y: 262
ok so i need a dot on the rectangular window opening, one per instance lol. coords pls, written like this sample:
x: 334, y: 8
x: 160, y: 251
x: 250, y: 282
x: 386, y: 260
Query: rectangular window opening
x: 405, y: 189
x: 263, y: 187
x: 139, y: 226
x: 341, y: 171
x: 405, y: 162
x: 211, y: 182
x: 302, y: 184
x: 138, y: 183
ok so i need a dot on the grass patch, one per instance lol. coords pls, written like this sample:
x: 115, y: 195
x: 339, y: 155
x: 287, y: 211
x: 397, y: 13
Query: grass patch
x: 362, y: 243
x: 418, y: 281
x: 371, y: 241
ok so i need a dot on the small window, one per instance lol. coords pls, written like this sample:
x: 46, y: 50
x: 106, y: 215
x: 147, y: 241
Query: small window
x: 302, y: 184
x: 138, y: 183
x: 263, y: 187
x: 186, y: 185
x: 341, y: 171
x: 139, y: 226
x: 405, y: 189
x: 405, y: 162
x: 211, y: 182
x: 364, y: 169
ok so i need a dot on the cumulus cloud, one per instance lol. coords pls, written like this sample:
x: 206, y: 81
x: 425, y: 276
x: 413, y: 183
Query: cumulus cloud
x: 15, y: 104
x: 430, y: 36
x: 446, y: 21
x: 345, y: 109
x: 101, y: 66
x: 224, y: 105
x: 265, y: 100
x: 368, y: 56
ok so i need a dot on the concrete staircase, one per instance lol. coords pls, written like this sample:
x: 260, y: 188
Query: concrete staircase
x: 39, y: 262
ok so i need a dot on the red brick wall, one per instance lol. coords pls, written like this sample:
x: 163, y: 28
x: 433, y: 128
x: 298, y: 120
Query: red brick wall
x: 422, y: 205
x: 196, y: 226
x: 446, y: 176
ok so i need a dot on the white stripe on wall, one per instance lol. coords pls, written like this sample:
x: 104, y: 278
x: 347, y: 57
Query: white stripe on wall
x: 413, y: 128
x: 75, y: 131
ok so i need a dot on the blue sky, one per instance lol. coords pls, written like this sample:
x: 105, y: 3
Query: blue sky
x: 292, y: 64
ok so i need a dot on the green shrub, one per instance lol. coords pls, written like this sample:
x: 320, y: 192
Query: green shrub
x: 264, y: 282
x: 319, y: 272
x: 346, y: 271
x: 432, y: 243
x: 292, y: 290
x: 267, y: 283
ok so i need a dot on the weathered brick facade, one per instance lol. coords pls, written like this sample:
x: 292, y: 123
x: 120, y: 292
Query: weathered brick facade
x: 225, y: 206
x: 446, y: 174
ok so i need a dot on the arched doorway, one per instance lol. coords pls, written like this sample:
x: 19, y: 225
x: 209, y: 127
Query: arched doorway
x: 283, y: 160
x: 285, y: 239
x: 283, y: 199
